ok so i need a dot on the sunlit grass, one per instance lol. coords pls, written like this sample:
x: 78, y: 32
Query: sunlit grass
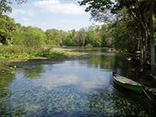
x: 14, y: 53
x: 9, y: 54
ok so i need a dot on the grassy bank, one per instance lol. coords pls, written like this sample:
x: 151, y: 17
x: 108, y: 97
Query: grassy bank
x: 9, y: 54
x: 23, y: 53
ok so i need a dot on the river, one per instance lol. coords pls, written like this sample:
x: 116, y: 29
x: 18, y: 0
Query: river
x: 71, y: 88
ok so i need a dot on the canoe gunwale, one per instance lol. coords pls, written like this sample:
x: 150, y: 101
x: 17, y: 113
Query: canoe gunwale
x: 126, y: 83
x: 135, y: 87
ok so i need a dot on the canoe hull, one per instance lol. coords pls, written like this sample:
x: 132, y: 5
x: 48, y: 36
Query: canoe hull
x: 126, y: 83
x: 134, y: 88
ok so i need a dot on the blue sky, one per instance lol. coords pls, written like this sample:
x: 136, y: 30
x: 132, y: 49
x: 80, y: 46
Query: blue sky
x: 52, y: 14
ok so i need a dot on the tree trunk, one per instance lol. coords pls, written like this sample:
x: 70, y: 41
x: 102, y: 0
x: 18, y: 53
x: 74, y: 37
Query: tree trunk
x: 151, y: 38
x: 152, y: 52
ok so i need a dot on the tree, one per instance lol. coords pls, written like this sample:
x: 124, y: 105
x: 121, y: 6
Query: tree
x: 33, y: 37
x: 124, y: 38
x: 93, y: 38
x: 80, y: 37
x: 140, y: 11
x: 68, y: 39
x: 105, y: 33
x: 29, y: 36
x: 7, y: 27
x: 18, y: 35
x: 54, y: 37
x: 5, y: 5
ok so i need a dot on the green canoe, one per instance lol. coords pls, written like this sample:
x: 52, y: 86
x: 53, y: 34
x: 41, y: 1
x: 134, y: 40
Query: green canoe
x: 127, y: 83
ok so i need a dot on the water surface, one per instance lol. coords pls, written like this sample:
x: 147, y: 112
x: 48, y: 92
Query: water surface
x: 71, y: 88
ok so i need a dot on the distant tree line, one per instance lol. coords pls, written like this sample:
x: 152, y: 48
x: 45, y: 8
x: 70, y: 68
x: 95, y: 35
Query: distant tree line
x: 97, y: 36
x: 119, y: 36
x: 107, y: 35
x: 12, y: 33
x: 128, y: 27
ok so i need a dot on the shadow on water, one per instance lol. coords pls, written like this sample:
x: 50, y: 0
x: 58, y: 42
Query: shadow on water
x: 5, y: 93
x: 72, y: 88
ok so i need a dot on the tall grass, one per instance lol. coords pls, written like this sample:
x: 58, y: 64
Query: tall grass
x: 18, y: 49
x: 23, y: 52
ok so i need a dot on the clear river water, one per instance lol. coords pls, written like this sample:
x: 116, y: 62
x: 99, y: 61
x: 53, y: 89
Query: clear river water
x: 80, y: 87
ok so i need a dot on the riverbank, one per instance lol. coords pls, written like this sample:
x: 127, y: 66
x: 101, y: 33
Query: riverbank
x: 147, y: 79
x: 54, y: 54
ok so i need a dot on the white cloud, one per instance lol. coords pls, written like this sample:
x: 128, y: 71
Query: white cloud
x: 21, y: 12
x: 26, y: 21
x: 30, y: 12
x: 48, y: 14
x: 69, y: 24
x: 55, y: 6
x: 66, y: 21
x: 23, y: 16
x: 16, y: 12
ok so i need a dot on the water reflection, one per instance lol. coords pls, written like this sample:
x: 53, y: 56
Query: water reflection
x: 110, y: 62
x: 69, y: 88
x: 82, y: 77
x: 33, y: 71
x: 5, y: 93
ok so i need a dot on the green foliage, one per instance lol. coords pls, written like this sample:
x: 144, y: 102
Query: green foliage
x: 18, y: 49
x: 101, y: 9
x: 29, y: 36
x: 7, y: 27
x: 4, y: 6
x: 34, y: 37
x: 18, y: 38
x: 16, y: 52
x: 105, y: 33
x: 140, y: 15
x: 22, y: 52
x: 79, y: 37
x: 53, y: 54
x: 93, y: 39
x: 54, y: 37
x: 69, y: 39
x: 124, y: 39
